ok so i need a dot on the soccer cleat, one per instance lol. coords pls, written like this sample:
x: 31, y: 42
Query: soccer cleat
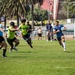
x: 51, y: 40
x: 4, y: 56
x: 64, y: 49
x: 15, y: 48
x: 10, y: 50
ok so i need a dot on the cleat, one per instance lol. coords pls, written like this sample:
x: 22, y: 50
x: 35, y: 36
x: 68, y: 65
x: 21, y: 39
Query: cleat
x: 15, y: 48
x: 64, y: 49
x: 4, y: 56
x: 10, y: 50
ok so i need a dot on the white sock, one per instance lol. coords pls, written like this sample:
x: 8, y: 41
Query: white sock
x: 64, y: 45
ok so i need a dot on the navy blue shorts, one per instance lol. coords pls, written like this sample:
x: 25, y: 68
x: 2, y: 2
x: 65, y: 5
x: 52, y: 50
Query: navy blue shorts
x: 1, y: 39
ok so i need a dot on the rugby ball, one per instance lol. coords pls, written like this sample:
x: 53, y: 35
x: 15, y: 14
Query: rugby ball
x: 62, y: 28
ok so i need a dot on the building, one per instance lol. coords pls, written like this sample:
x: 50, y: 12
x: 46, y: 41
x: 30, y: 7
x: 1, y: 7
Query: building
x: 52, y: 7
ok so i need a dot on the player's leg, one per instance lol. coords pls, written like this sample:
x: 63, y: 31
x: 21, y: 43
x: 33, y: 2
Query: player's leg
x: 1, y: 45
x: 10, y: 43
x: 63, y: 42
x: 38, y: 36
x: 59, y: 40
x: 4, y: 45
x: 29, y: 42
x: 16, y: 41
x: 51, y: 36
x: 41, y: 36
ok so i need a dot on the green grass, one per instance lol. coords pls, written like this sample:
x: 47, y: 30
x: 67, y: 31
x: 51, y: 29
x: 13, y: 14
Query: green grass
x: 47, y: 58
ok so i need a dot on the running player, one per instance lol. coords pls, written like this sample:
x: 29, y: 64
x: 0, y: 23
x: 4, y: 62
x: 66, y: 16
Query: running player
x: 11, y: 37
x: 25, y: 32
x: 60, y: 36
x: 2, y: 40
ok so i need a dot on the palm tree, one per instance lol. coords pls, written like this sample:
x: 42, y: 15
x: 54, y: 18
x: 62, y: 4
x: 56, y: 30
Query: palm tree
x: 16, y: 7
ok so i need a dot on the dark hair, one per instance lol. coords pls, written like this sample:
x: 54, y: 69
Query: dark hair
x: 12, y: 24
x: 57, y: 21
x: 23, y: 20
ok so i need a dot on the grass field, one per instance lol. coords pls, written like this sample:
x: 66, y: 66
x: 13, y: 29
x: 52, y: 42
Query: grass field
x: 47, y: 58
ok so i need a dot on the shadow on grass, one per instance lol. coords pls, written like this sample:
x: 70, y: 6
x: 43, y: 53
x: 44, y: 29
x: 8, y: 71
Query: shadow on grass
x: 70, y: 51
x: 26, y: 51
x: 18, y: 56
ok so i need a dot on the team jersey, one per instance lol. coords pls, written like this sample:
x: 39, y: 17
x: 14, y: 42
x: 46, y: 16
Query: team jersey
x: 23, y: 29
x: 49, y: 27
x: 59, y: 34
x: 1, y: 33
x: 10, y: 34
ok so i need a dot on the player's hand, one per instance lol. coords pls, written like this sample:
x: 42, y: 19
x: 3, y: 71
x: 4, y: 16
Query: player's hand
x: 58, y: 30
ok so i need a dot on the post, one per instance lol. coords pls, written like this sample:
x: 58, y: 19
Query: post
x: 74, y: 25
x: 49, y: 10
x: 74, y: 28
x: 67, y: 11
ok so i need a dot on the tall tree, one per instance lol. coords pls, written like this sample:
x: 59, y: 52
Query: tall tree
x: 16, y: 7
x: 69, y: 6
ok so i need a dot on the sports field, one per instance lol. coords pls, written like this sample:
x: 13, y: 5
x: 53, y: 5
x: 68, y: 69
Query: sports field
x: 47, y: 58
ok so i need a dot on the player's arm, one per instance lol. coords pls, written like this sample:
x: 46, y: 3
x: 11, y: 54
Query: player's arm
x: 55, y: 31
x: 3, y: 31
x: 12, y: 29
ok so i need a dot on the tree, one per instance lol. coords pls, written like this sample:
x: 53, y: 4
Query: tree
x: 69, y: 7
x: 16, y: 7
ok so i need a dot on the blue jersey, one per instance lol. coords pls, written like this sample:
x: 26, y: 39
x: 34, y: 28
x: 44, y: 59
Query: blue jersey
x: 59, y: 34
x: 1, y: 33
x: 49, y: 27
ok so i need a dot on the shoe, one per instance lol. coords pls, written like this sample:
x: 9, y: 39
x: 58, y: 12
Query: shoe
x: 64, y: 49
x: 51, y: 40
x: 10, y: 50
x: 47, y: 40
x: 4, y: 56
x: 15, y: 48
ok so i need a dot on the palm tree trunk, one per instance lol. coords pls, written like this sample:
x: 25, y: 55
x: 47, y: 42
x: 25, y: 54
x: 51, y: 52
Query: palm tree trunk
x: 5, y: 22
x: 32, y: 17
x: 17, y: 17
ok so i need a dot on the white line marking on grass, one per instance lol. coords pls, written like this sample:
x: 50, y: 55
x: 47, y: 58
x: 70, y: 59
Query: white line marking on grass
x: 60, y: 67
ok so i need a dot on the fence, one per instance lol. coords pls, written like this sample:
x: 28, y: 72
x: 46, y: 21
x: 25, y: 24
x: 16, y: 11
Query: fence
x: 69, y: 34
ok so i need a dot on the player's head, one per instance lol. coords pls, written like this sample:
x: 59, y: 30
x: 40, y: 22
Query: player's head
x: 56, y: 23
x: 49, y: 22
x: 12, y: 24
x: 23, y: 20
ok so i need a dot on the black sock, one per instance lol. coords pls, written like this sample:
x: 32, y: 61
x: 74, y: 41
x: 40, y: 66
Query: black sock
x: 31, y: 46
x: 4, y: 52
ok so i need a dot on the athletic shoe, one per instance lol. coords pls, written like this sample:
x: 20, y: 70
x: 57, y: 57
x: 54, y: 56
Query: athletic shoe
x: 4, y: 56
x: 64, y: 49
x: 51, y: 40
x: 10, y: 50
x: 15, y: 48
